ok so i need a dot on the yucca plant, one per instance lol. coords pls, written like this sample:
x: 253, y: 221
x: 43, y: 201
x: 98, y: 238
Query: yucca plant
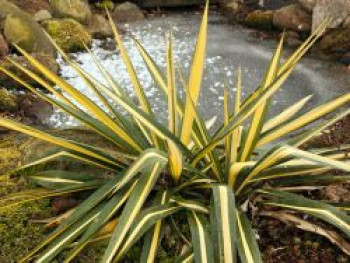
x: 158, y: 172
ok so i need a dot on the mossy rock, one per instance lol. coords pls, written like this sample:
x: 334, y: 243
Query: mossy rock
x: 260, y: 19
x: 68, y: 34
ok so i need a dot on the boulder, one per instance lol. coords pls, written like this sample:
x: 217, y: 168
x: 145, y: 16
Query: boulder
x: 21, y: 29
x: 336, y: 11
x: 8, y: 101
x: 76, y: 9
x: 308, y: 5
x: 26, y: 33
x: 4, y: 48
x: 7, y: 82
x: 260, y: 19
x: 127, y: 12
x: 99, y: 27
x: 292, y: 17
x: 68, y: 34
x: 336, y: 40
x: 42, y: 15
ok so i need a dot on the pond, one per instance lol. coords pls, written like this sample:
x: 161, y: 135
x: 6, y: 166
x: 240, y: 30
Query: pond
x: 229, y: 47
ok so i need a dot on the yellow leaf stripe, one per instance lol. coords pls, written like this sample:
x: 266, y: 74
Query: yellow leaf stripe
x: 247, y: 252
x: 195, y: 80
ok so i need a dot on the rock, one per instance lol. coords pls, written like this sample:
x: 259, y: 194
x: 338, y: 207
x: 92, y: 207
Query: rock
x: 8, y: 101
x: 232, y: 8
x: 34, y: 109
x: 127, y: 12
x: 5, y: 81
x: 292, y: 39
x: 42, y: 15
x: 99, y: 27
x: 62, y: 204
x: 76, y: 9
x: 345, y: 59
x: 68, y: 34
x: 32, y: 6
x: 260, y: 19
x: 105, y: 4
x: 177, y: 3
x: 338, y: 192
x: 292, y: 17
x: 4, y: 48
x: 274, y: 4
x: 21, y: 29
x: 308, y: 5
x: 336, y: 40
x: 336, y: 11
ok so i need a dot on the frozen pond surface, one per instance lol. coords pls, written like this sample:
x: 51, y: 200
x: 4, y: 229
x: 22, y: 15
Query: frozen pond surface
x: 229, y: 47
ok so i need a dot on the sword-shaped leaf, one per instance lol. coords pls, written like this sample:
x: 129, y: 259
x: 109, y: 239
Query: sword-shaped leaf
x: 191, y: 205
x: 107, y: 212
x: 57, y: 179
x: 223, y: 220
x: 248, y: 248
x: 195, y: 80
x: 144, y: 222
x: 323, y: 211
x: 133, y: 207
x: 84, y: 101
x: 67, y: 237
x: 259, y: 116
x: 202, y: 247
x: 58, y: 141
x: 285, y: 115
x: 175, y: 161
x: 154, y: 236
x: 305, y: 119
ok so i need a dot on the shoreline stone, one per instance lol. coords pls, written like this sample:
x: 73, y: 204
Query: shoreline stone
x: 127, y: 12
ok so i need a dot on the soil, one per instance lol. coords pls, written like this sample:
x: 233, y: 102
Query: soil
x: 336, y: 135
x: 281, y: 243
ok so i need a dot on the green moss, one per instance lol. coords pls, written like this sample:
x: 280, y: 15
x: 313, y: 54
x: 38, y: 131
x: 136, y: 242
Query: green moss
x: 68, y: 34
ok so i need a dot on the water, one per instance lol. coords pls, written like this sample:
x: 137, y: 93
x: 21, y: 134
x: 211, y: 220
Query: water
x: 229, y: 47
